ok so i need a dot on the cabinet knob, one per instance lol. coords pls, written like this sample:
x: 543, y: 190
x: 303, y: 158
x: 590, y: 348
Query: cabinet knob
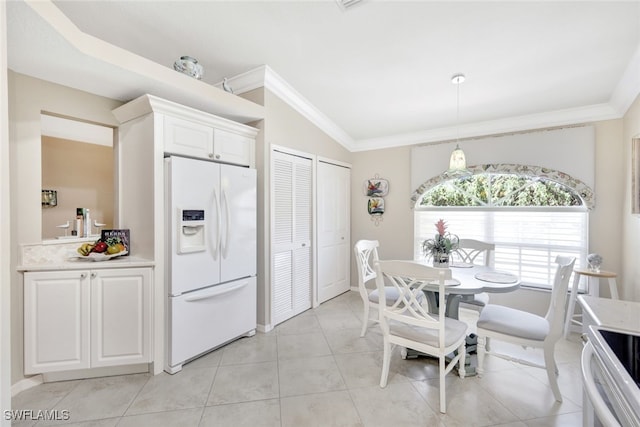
x: 304, y: 244
x: 217, y: 156
x: 211, y: 155
x: 94, y: 275
x: 83, y: 275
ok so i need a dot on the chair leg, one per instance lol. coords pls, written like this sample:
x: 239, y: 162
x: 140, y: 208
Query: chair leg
x: 443, y: 396
x: 551, y: 368
x: 461, y: 363
x: 487, y: 344
x: 365, y: 319
x: 480, y: 351
x: 386, y: 360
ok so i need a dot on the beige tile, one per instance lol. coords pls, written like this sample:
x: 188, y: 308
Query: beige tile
x: 395, y: 405
x: 365, y: 370
x: 334, y: 409
x: 336, y: 305
x: 263, y: 413
x: 312, y: 375
x: 186, y: 389
x: 306, y: 322
x: 180, y: 418
x: 569, y: 380
x: 255, y: 349
x: 302, y: 345
x: 109, y: 422
x: 349, y: 341
x: 42, y: 397
x: 209, y: 360
x: 524, y: 395
x: 467, y: 403
x: 100, y: 398
x: 338, y: 320
x: 564, y: 420
x: 243, y: 383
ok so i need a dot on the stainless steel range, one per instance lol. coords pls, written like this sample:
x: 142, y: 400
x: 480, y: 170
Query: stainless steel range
x: 611, y: 377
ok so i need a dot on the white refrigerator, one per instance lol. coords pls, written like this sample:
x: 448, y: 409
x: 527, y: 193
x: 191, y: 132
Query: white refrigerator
x: 211, y: 231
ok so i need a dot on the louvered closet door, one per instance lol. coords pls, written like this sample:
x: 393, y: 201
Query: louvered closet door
x: 291, y: 235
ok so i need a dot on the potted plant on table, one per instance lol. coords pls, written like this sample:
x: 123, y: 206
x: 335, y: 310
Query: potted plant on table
x: 440, y: 247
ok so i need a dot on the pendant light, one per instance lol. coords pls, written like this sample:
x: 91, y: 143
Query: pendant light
x: 458, y: 163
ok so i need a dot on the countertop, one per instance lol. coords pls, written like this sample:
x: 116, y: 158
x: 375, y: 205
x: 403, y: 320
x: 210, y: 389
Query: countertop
x: 87, y: 264
x: 618, y: 314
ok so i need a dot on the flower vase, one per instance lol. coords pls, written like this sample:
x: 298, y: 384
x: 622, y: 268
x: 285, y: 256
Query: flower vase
x: 441, y: 260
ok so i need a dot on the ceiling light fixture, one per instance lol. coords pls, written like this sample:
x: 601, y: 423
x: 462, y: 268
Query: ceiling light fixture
x: 458, y: 162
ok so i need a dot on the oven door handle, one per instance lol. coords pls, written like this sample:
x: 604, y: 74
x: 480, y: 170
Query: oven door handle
x: 600, y: 407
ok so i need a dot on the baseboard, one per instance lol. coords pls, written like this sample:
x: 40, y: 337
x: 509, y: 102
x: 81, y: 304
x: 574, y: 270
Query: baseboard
x: 26, y: 384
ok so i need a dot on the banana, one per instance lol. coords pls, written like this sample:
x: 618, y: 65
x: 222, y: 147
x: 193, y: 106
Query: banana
x: 85, y: 249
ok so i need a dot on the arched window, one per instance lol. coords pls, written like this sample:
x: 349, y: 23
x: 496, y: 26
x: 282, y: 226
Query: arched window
x: 531, y: 214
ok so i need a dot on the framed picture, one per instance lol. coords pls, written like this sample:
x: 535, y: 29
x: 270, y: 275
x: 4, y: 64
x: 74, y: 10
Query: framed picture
x: 376, y: 187
x: 375, y: 206
x: 635, y: 175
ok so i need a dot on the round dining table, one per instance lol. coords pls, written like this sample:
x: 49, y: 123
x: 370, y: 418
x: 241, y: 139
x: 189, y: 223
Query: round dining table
x: 468, y: 280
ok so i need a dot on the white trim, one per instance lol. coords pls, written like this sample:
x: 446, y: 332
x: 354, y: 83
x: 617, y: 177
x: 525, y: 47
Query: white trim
x: 334, y: 162
x: 26, y: 384
x: 628, y: 87
x: 6, y: 257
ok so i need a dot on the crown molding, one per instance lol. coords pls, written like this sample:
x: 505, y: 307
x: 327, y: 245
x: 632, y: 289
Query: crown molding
x: 622, y: 98
x: 264, y: 76
x: 571, y: 116
x: 628, y: 87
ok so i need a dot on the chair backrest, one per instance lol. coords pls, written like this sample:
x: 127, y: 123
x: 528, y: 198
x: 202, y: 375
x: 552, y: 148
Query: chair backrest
x: 366, y: 252
x: 555, y: 313
x: 409, y: 278
x: 472, y: 251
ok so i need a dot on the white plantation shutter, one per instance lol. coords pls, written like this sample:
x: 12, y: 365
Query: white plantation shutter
x: 291, y: 236
x: 527, y: 239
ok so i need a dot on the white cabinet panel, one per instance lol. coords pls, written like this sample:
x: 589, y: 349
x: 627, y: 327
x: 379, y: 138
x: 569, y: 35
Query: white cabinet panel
x: 334, y: 183
x: 231, y: 147
x: 56, y: 321
x: 81, y: 319
x: 187, y: 138
x: 120, y: 317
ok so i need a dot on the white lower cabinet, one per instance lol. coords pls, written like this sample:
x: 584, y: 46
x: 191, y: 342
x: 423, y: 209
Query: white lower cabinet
x: 78, y: 319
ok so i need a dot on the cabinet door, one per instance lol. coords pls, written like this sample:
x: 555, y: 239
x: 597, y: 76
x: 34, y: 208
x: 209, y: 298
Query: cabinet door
x: 334, y: 183
x: 120, y: 316
x: 56, y: 321
x: 230, y: 147
x: 292, y: 266
x: 187, y: 138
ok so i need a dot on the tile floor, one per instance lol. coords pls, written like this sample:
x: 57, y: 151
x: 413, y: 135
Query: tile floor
x: 315, y: 370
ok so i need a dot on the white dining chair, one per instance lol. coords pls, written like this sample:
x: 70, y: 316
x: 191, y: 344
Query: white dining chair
x: 408, y: 323
x: 475, y: 252
x: 366, y: 252
x: 528, y: 329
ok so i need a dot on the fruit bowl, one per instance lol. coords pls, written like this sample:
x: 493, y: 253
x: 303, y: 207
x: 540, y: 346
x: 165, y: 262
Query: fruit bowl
x: 95, y: 256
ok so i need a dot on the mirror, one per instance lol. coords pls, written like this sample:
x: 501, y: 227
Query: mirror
x: 78, y: 164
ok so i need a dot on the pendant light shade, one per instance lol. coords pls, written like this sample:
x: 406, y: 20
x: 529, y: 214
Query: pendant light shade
x: 457, y: 162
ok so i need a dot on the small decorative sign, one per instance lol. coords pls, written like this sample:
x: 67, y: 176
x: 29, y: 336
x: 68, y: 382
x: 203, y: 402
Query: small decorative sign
x: 376, y: 187
x: 117, y: 236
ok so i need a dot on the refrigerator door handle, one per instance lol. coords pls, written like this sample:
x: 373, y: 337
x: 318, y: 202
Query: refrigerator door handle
x: 217, y: 292
x: 227, y: 228
x: 216, y: 240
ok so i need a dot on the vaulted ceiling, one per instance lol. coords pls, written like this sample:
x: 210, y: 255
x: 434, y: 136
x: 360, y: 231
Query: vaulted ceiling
x: 380, y: 72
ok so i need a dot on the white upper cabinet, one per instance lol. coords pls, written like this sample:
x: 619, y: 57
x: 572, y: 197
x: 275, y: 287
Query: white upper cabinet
x: 188, y: 132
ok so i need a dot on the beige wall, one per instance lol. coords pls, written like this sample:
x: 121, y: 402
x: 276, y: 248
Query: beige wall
x: 631, y: 223
x: 83, y: 176
x: 395, y: 232
x: 28, y: 98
